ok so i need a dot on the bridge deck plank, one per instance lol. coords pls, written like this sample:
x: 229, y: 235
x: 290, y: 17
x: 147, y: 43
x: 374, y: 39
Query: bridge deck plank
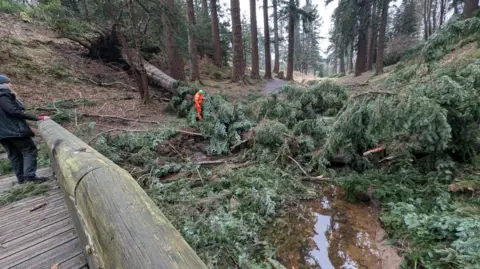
x: 39, y: 239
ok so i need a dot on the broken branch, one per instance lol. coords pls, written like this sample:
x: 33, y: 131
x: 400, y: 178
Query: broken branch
x: 375, y: 150
x: 117, y: 118
x: 299, y: 166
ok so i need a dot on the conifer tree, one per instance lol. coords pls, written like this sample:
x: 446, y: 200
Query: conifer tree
x: 276, y: 65
x: 192, y: 42
x: 238, y: 70
x: 174, y: 57
x: 217, y: 49
x: 381, y: 37
x: 255, y: 74
x: 470, y: 7
x: 266, y: 36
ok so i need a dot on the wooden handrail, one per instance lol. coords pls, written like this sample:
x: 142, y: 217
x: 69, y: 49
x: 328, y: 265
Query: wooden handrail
x: 118, y: 225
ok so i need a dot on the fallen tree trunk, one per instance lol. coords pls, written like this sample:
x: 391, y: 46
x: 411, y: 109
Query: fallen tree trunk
x: 159, y: 78
x: 118, y: 225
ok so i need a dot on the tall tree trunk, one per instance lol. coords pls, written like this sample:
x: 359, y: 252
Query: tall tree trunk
x: 134, y: 55
x: 204, y: 26
x: 434, y: 13
x: 455, y: 6
x: 361, y: 64
x: 470, y: 7
x: 255, y: 74
x: 174, y: 57
x: 429, y: 17
x: 381, y: 37
x: 291, y: 43
x: 276, y: 65
x: 371, y: 36
x: 238, y: 70
x: 204, y: 6
x: 297, y: 48
x: 443, y: 7
x: 192, y: 42
x: 266, y: 28
x: 342, y: 60
x: 217, y: 49
x: 425, y: 19
x: 350, y: 61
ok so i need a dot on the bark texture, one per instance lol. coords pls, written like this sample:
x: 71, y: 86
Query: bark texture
x: 276, y: 65
x: 255, y: 74
x: 291, y: 44
x: 217, y: 49
x: 118, y: 224
x: 470, y: 7
x: 381, y: 37
x: 371, y: 35
x: 174, y: 57
x: 361, y: 63
x: 266, y: 28
x: 238, y: 70
x: 192, y: 42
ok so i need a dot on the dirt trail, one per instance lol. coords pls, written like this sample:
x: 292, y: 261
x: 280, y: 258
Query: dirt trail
x: 273, y: 85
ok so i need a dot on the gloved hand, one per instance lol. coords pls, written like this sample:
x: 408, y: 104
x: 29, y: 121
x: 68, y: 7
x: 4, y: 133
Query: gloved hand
x: 43, y: 117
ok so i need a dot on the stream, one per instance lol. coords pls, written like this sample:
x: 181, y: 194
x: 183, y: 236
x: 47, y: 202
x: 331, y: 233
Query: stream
x: 332, y: 233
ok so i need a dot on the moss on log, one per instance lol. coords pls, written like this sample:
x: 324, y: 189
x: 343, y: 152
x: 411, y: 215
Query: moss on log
x: 123, y: 227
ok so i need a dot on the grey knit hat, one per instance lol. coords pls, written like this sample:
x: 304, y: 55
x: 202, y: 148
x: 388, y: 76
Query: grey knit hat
x: 4, y: 79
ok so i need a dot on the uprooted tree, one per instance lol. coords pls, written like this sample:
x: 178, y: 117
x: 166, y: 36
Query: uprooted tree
x: 119, y: 31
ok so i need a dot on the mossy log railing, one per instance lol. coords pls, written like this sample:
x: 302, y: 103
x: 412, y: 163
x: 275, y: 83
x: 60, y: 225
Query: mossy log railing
x: 118, y: 225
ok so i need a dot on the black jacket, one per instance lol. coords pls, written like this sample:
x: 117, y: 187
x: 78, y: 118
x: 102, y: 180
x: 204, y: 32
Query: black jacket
x: 12, y: 117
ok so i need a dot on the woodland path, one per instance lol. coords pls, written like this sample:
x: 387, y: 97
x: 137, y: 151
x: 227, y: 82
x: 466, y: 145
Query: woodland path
x: 273, y: 85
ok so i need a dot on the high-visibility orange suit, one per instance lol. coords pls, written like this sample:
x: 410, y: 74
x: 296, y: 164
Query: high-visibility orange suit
x: 198, y: 98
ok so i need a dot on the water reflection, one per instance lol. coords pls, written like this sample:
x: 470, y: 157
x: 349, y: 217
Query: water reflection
x: 330, y: 233
x: 319, y: 256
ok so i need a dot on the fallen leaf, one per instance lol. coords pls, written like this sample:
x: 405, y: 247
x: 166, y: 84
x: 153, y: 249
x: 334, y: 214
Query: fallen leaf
x: 55, y: 266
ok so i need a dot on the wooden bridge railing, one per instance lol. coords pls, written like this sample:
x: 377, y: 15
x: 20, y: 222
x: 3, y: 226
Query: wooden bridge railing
x: 119, y: 226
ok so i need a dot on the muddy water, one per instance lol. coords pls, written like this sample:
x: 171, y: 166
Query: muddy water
x: 330, y: 233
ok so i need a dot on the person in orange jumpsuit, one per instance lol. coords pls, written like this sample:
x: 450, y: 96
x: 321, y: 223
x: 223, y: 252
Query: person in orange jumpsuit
x: 198, y: 98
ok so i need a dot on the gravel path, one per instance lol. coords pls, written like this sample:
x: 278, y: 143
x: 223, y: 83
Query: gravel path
x: 273, y: 85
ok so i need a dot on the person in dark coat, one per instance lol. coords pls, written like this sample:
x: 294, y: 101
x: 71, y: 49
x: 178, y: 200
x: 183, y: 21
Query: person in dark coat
x: 16, y: 135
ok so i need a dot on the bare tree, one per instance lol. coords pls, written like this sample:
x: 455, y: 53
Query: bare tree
x: 238, y: 70
x: 255, y: 74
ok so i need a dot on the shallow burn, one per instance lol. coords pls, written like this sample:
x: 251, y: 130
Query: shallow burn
x: 330, y: 233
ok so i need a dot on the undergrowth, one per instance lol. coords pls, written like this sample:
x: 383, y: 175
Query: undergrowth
x: 223, y: 217
x: 23, y: 191
x: 424, y: 117
x: 435, y: 228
